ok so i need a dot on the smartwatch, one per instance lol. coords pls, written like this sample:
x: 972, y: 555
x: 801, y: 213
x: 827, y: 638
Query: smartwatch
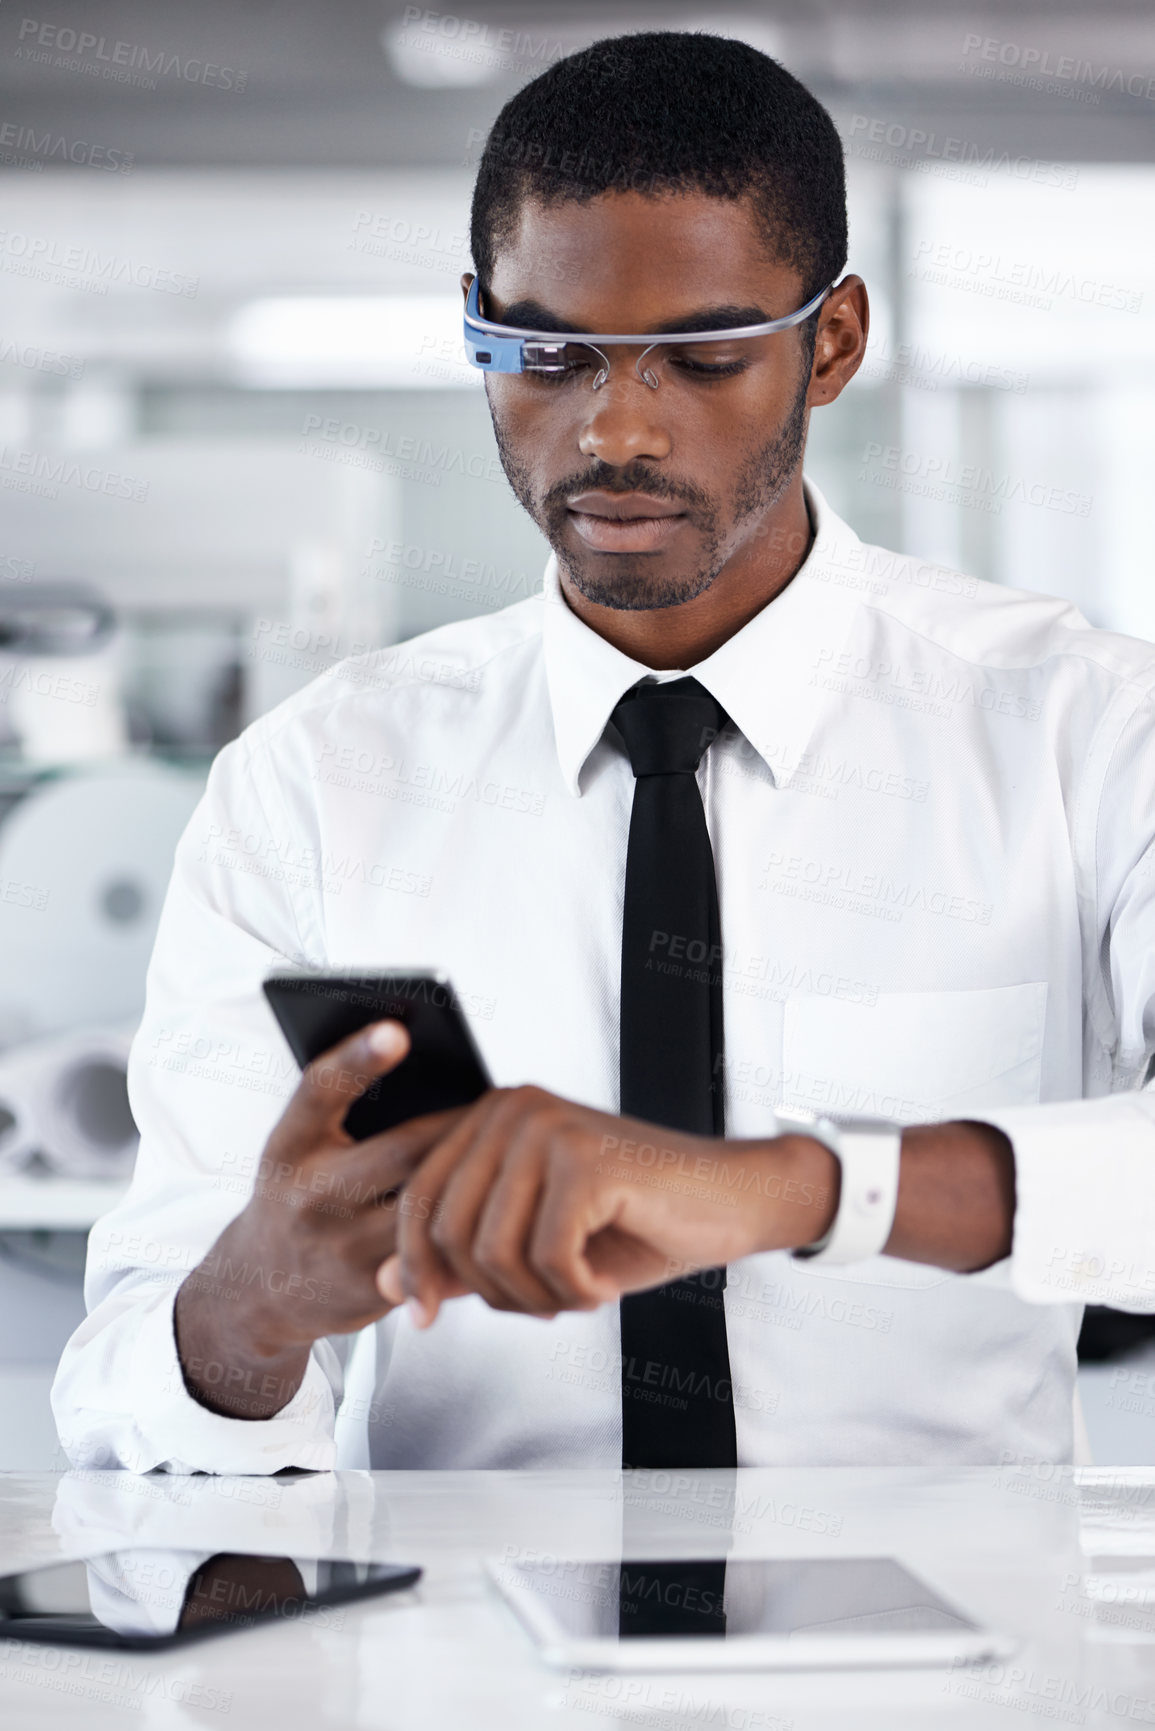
x: 868, y: 1153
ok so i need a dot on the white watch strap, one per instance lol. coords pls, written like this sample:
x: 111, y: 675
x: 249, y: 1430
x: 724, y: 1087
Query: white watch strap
x: 867, y: 1198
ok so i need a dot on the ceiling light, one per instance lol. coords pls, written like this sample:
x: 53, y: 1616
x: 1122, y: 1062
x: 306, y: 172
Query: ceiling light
x: 421, y: 54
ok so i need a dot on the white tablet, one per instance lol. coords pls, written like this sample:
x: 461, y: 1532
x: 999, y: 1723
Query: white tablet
x: 746, y: 1614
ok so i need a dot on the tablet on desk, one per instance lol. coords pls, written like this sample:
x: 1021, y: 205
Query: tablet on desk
x: 825, y: 1613
x: 145, y: 1601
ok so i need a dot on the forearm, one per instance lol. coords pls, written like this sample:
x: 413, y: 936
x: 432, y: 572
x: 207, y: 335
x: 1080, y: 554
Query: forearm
x: 228, y: 1364
x: 956, y: 1194
x: 956, y: 1197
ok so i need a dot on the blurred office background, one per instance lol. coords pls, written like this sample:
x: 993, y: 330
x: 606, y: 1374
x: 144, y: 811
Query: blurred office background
x: 238, y: 440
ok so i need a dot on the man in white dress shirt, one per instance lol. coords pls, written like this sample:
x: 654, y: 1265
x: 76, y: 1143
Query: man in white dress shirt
x: 931, y: 812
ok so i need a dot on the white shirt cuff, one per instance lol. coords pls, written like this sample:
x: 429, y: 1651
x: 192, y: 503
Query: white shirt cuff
x: 1085, y: 1216
x: 172, y: 1430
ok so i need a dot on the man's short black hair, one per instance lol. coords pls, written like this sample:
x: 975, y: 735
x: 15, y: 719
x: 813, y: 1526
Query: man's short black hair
x: 670, y: 111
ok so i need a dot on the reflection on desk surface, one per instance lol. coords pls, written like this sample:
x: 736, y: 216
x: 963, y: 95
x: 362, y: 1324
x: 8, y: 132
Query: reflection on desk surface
x: 148, y: 1598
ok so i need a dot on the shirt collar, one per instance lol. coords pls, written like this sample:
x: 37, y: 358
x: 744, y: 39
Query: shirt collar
x: 765, y: 676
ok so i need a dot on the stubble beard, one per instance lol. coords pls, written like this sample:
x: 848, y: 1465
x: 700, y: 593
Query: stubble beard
x: 628, y: 583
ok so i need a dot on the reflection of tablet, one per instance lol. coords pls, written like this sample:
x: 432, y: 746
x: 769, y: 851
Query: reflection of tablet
x: 144, y: 1599
x: 443, y: 1067
x: 748, y: 1614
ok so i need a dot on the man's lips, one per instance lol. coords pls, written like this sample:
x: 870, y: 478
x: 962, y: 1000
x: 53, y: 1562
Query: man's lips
x: 619, y: 506
x: 624, y: 522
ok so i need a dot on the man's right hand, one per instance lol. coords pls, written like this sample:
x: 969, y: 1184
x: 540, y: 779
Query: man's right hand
x: 300, y: 1260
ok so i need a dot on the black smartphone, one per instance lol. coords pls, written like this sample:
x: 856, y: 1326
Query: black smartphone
x: 146, y: 1600
x: 443, y: 1068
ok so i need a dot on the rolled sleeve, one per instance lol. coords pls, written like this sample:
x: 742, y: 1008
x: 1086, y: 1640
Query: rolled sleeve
x: 167, y: 1427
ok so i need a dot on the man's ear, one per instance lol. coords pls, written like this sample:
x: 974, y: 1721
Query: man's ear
x: 841, y: 342
x: 466, y: 283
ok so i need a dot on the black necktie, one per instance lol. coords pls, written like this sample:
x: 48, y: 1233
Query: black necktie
x: 677, y: 1402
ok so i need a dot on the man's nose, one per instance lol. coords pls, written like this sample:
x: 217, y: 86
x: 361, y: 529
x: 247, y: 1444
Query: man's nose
x: 622, y: 422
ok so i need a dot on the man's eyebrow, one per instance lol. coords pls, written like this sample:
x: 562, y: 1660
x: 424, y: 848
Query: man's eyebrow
x: 532, y: 315
x: 713, y: 318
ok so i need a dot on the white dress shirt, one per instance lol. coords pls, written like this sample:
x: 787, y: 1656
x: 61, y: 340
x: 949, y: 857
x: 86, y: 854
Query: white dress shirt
x: 932, y: 822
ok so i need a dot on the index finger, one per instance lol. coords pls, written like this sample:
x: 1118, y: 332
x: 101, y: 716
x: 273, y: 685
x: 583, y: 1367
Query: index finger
x: 332, y: 1082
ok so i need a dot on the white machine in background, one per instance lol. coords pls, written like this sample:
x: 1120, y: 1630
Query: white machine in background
x: 64, y: 1105
x: 85, y: 858
x: 87, y: 833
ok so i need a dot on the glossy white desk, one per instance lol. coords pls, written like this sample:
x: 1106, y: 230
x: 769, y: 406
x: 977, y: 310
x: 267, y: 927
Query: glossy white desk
x: 1012, y: 1544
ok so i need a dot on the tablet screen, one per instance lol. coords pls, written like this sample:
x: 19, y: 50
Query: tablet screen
x: 728, y: 1599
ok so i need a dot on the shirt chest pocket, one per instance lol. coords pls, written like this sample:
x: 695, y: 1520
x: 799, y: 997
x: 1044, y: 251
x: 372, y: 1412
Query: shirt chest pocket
x: 914, y: 1057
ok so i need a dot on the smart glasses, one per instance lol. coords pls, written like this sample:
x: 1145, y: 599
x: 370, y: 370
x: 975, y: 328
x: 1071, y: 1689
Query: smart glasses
x: 559, y: 355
